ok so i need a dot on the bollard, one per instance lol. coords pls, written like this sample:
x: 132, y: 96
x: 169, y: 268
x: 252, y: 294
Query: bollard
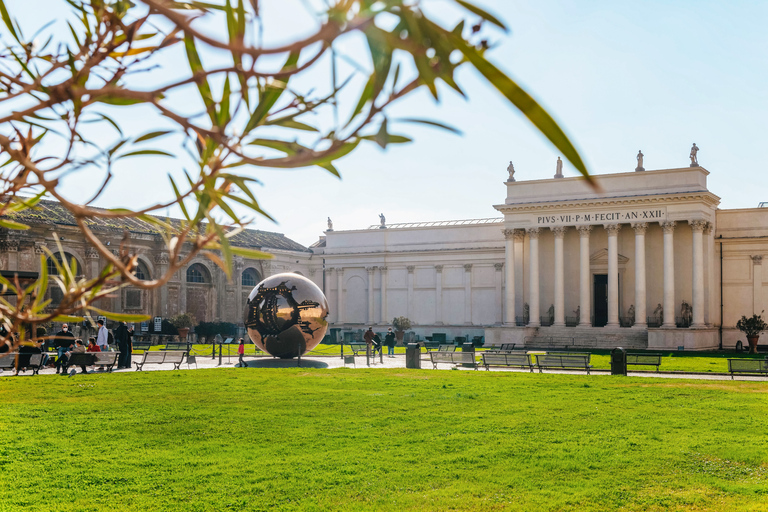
x: 219, y: 354
x: 618, y: 361
x: 213, y: 350
x: 367, y: 354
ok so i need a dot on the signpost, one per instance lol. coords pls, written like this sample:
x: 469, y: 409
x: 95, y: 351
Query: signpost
x: 158, y: 324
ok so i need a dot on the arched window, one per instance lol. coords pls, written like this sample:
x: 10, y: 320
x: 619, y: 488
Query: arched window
x: 65, y: 260
x: 142, y: 272
x: 197, y: 273
x: 250, y: 277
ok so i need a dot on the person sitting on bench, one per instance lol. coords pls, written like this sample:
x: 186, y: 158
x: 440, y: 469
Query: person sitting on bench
x: 79, y: 349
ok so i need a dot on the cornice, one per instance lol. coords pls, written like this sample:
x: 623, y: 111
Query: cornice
x: 685, y: 197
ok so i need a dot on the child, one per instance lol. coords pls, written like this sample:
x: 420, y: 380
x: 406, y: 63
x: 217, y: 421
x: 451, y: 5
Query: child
x: 241, y: 353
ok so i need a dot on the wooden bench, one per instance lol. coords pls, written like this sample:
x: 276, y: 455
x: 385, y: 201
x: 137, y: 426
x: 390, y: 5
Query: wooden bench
x: 566, y: 361
x: 175, y: 357
x: 644, y: 360
x: 454, y: 358
x: 748, y: 366
x: 519, y: 359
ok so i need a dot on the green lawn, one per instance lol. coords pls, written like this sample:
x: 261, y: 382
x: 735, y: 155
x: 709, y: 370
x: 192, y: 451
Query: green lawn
x: 295, y: 439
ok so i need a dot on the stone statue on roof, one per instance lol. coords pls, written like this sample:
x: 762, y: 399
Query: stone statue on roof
x: 383, y: 221
x: 694, y: 157
x: 640, y: 161
x: 511, y: 171
x: 330, y: 224
x: 559, y: 168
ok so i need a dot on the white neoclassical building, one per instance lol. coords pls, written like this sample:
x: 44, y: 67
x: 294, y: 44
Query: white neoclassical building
x: 646, y: 260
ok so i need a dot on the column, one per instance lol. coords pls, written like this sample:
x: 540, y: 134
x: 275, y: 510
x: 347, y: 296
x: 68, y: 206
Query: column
x: 383, y: 280
x: 340, y: 295
x: 468, y: 294
x: 509, y: 276
x: 499, y: 297
x: 640, y: 283
x: 559, y: 233
x: 757, y: 283
x: 613, y: 274
x: 533, y: 293
x: 709, y: 239
x: 332, y: 312
x: 669, y: 274
x: 370, y: 271
x: 438, y: 294
x: 410, y: 269
x: 518, y: 273
x: 697, y: 228
x: 585, y: 286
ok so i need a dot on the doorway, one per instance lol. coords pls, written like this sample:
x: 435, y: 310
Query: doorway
x: 600, y: 300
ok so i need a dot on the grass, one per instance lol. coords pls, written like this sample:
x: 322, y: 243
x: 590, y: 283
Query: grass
x: 297, y: 439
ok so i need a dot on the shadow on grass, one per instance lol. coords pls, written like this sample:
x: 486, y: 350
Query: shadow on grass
x: 285, y: 363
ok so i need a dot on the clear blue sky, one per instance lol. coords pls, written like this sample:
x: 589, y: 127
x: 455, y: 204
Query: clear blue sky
x: 618, y: 77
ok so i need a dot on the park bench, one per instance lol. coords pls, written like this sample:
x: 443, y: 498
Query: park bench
x: 77, y: 359
x: 454, y: 358
x: 748, y: 366
x: 25, y: 360
x: 175, y: 357
x: 142, y: 345
x: 564, y: 361
x: 504, y: 347
x: 105, y: 359
x: 519, y: 359
x: 446, y: 348
x: 176, y: 346
x: 644, y: 360
x: 358, y: 348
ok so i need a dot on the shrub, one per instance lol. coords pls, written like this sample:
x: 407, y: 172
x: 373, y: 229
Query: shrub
x: 752, y: 326
x: 401, y: 323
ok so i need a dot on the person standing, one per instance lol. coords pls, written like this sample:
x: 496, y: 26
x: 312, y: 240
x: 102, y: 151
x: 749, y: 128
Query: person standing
x: 102, y: 337
x: 129, y: 347
x: 389, y: 341
x: 63, y: 341
x: 121, y: 335
x: 368, y: 338
x: 241, y: 353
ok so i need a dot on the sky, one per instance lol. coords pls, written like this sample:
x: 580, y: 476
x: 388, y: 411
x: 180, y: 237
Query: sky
x: 618, y: 77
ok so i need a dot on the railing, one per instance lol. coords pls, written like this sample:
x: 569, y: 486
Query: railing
x: 521, y: 321
x: 654, y: 321
x: 571, y: 321
x: 682, y: 322
x: 546, y: 321
x: 626, y: 321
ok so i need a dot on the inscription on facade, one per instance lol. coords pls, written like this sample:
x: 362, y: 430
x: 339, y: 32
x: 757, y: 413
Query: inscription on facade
x: 656, y: 214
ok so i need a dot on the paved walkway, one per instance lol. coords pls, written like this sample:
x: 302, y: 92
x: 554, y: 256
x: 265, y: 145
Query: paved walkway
x: 398, y: 361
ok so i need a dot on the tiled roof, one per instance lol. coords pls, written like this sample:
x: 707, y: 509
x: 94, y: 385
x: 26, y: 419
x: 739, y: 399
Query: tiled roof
x: 53, y: 213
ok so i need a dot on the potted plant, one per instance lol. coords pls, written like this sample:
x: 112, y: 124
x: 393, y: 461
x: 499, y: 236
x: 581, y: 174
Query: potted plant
x: 752, y: 327
x: 183, y: 322
x: 401, y: 324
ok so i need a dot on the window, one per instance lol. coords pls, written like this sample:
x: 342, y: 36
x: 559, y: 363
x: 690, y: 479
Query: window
x: 56, y: 296
x: 142, y: 272
x: 250, y: 277
x: 133, y: 299
x: 65, y: 260
x: 197, y: 274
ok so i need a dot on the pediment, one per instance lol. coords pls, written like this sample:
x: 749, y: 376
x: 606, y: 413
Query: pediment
x: 601, y: 258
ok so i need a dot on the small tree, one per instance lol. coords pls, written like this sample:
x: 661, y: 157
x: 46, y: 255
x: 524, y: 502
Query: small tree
x: 183, y: 321
x: 401, y: 324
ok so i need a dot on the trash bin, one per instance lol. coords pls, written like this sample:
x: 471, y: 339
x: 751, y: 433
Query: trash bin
x: 413, y: 356
x: 468, y: 347
x: 618, y: 361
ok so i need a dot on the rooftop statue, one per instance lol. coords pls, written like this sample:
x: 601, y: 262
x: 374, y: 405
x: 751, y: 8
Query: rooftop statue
x: 694, y: 158
x: 330, y: 224
x: 383, y: 221
x: 640, y: 161
x: 511, y: 171
x: 559, y: 168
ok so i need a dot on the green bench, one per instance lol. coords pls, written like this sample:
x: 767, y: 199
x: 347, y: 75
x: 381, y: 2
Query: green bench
x: 748, y: 366
x: 454, y: 358
x: 509, y: 359
x: 564, y: 361
x: 644, y: 360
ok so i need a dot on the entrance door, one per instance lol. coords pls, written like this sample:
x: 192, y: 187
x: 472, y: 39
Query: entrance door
x: 600, y: 304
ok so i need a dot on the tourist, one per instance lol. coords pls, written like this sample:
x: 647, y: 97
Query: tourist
x: 63, y: 341
x: 26, y: 350
x: 129, y: 348
x: 389, y: 341
x: 241, y: 353
x: 376, y: 344
x: 102, y: 337
x: 121, y: 334
x: 92, y: 346
x: 368, y: 337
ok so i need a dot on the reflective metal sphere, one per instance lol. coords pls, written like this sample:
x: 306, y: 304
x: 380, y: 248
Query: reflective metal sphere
x: 285, y: 315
